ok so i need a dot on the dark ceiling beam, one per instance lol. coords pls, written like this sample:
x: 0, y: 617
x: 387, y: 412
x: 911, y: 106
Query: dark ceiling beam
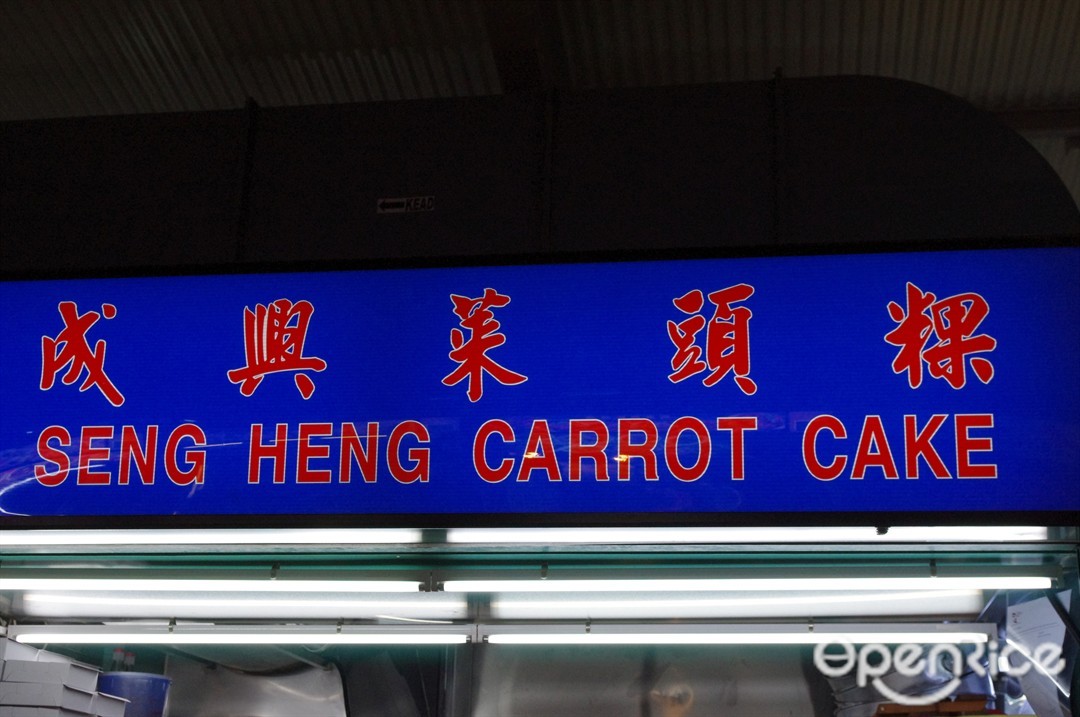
x: 525, y: 43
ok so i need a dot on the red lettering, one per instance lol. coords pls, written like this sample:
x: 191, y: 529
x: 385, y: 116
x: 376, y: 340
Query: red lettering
x: 305, y: 453
x: 193, y: 458
x: 645, y: 451
x: 594, y: 451
x: 671, y: 448
x: 919, y: 443
x: 55, y: 456
x: 130, y: 450
x: 366, y: 454
x: 483, y: 468
x: 88, y: 454
x: 809, y: 447
x: 274, y: 452
x: 966, y: 444
x: 738, y: 426
x: 539, y: 454
x: 873, y: 450
x: 420, y: 457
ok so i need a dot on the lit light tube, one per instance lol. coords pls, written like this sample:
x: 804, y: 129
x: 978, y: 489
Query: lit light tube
x: 206, y: 585
x: 164, y: 538
x: 747, y: 638
x: 747, y: 535
x: 608, y: 606
x: 737, y: 634
x: 223, y: 605
x: 751, y: 584
x: 264, y: 635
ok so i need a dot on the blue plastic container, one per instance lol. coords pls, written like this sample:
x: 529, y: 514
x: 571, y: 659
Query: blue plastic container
x: 145, y: 691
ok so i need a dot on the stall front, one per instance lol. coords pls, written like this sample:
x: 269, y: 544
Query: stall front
x: 794, y: 483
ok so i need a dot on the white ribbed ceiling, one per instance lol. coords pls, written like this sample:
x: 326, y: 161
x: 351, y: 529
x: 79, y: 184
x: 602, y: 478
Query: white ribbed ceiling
x: 62, y: 58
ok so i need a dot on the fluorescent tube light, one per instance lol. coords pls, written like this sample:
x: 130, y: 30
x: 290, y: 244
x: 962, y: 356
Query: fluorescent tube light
x: 751, y: 584
x: 213, y: 635
x: 175, y: 540
x: 749, y: 638
x: 165, y: 538
x: 764, y: 634
x: 216, y: 605
x: 607, y: 606
x: 206, y: 585
x: 963, y: 534
x: 227, y: 638
x: 815, y: 535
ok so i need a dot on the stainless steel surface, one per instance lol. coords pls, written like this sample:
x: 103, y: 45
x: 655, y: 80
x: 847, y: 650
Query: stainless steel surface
x: 201, y: 691
x: 619, y: 682
x: 855, y: 701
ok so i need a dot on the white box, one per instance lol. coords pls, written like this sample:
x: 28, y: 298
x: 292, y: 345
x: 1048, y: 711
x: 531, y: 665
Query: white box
x: 11, y: 650
x: 72, y: 674
x: 46, y: 656
x: 12, y: 711
x: 36, y: 694
x: 109, y: 706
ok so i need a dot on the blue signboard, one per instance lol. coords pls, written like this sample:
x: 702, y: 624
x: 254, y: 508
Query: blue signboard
x: 719, y: 390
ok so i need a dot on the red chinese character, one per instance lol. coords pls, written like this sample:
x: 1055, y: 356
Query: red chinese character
x: 274, y: 337
x: 727, y: 338
x: 952, y: 322
x: 471, y: 356
x: 912, y: 334
x: 71, y: 349
x: 687, y: 359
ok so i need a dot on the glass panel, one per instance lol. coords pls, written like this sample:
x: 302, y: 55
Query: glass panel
x: 1026, y: 663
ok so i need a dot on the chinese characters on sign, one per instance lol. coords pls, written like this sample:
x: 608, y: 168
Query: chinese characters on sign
x: 274, y: 337
x: 951, y: 323
x: 71, y: 349
x: 938, y: 336
x: 727, y: 338
x: 476, y: 317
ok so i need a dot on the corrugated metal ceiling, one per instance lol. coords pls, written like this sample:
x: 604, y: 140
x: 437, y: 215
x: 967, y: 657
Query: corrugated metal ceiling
x: 995, y: 53
x: 96, y: 57
x: 112, y: 57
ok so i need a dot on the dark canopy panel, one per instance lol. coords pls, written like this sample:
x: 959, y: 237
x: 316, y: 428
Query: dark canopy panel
x: 821, y: 160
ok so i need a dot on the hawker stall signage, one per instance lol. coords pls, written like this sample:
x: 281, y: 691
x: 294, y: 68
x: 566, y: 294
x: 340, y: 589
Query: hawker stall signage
x: 722, y: 389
